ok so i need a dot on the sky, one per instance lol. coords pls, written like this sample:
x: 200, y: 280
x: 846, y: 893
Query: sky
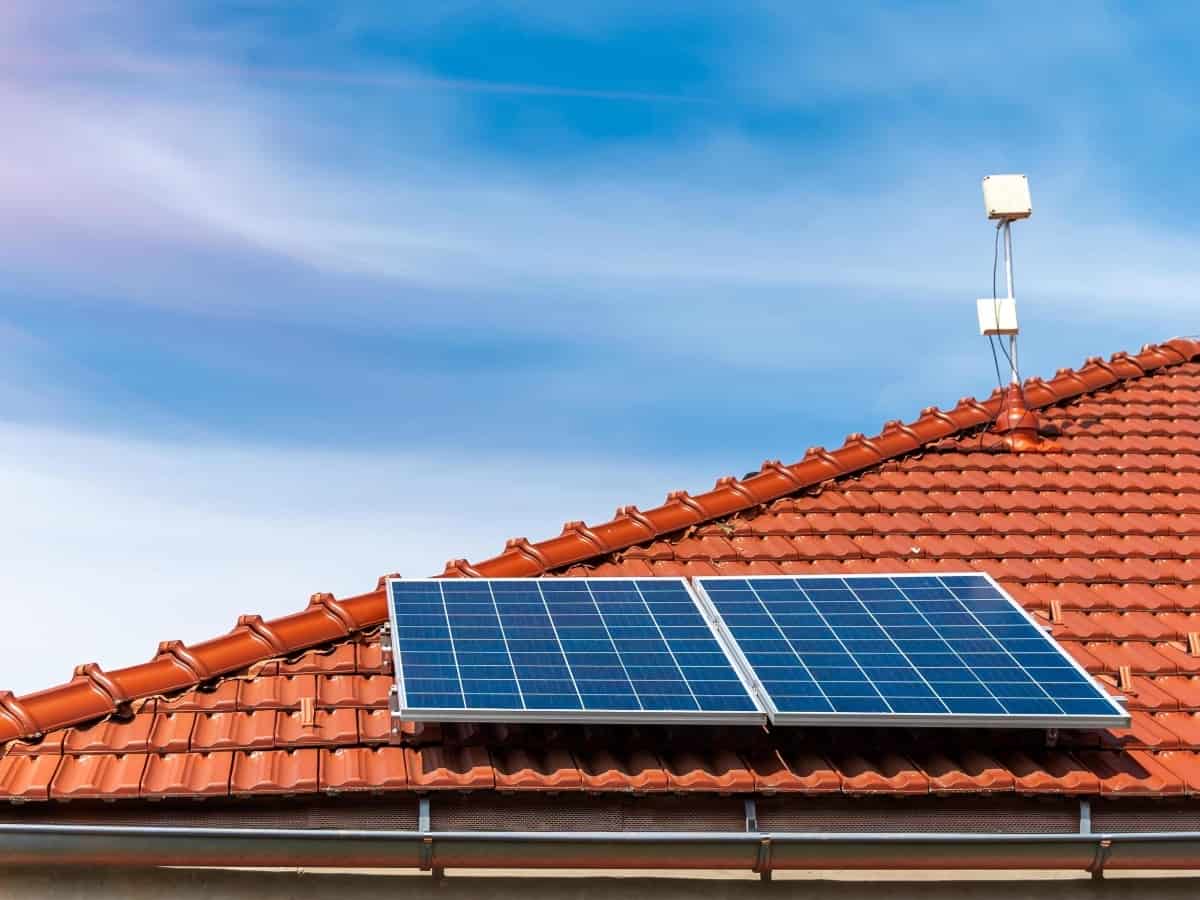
x: 297, y: 294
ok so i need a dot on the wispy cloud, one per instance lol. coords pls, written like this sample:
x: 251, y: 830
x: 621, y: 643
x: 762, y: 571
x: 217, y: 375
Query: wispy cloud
x: 65, y: 67
x: 286, y: 317
x: 121, y: 543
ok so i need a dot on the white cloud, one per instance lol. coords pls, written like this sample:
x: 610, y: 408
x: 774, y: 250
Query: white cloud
x: 508, y: 251
x: 719, y: 249
x: 111, y: 545
x: 215, y: 170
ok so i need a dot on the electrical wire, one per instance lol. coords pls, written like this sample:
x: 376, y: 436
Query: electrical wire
x: 1004, y: 396
x: 995, y: 310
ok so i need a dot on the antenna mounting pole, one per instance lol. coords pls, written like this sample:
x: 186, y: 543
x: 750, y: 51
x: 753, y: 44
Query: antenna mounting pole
x: 1012, y: 338
x: 1006, y: 199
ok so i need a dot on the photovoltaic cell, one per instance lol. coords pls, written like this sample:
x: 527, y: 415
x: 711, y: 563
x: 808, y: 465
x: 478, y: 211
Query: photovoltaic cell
x: 901, y: 649
x: 593, y: 649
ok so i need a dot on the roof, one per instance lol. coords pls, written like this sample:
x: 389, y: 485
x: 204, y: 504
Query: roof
x: 1099, y: 540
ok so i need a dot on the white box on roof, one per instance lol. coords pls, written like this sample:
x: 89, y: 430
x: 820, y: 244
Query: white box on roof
x: 997, y: 316
x: 1007, y: 197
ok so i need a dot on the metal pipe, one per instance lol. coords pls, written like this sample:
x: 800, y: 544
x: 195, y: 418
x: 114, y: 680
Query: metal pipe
x: 585, y: 836
x: 1008, y: 275
x: 1008, y: 256
x: 169, y: 845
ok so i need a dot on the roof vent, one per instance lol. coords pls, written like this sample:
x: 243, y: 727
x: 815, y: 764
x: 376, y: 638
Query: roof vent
x: 1006, y: 199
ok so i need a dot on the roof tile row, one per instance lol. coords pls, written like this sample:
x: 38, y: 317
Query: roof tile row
x: 174, y: 732
x: 964, y: 455
x: 234, y: 773
x: 1046, y: 522
x: 1127, y: 625
x: 1009, y: 570
x: 1033, y: 500
x: 269, y: 691
x: 1056, y: 481
x: 1105, y: 549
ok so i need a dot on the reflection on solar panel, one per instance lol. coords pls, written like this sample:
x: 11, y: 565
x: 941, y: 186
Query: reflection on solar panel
x: 559, y: 649
x: 902, y: 650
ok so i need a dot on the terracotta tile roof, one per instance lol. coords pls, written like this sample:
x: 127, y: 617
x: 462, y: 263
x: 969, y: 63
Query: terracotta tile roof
x: 1099, y: 540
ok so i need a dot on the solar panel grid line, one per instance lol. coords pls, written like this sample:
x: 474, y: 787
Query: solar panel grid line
x: 557, y: 640
x: 734, y: 643
x: 807, y: 668
x: 900, y: 651
x: 616, y: 650
x: 953, y: 651
x: 507, y: 646
x: 430, y: 610
x: 608, y: 633
x: 453, y: 649
x: 1008, y: 653
x: 1035, y: 685
x: 667, y: 644
x: 853, y: 657
x: 1071, y: 662
x: 745, y: 668
x: 956, y: 654
x: 618, y: 620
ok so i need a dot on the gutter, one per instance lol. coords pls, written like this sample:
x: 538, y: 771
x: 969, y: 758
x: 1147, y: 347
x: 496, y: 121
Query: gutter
x: 100, y: 845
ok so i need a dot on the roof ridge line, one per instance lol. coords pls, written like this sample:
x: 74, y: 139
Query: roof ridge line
x: 93, y: 693
x: 630, y: 526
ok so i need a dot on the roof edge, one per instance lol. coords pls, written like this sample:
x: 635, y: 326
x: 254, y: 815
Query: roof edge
x: 579, y: 542
x: 93, y: 693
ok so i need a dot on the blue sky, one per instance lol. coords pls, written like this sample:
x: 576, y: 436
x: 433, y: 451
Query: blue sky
x: 297, y: 294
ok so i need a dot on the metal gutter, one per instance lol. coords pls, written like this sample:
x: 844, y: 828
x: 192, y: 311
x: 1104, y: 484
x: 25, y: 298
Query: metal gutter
x: 92, y: 845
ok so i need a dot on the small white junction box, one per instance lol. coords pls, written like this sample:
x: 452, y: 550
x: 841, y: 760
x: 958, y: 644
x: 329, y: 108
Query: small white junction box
x: 1007, y: 197
x: 998, y: 316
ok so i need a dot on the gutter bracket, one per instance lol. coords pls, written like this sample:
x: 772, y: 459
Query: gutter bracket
x: 751, y: 815
x: 1103, y: 849
x: 423, y: 826
x: 762, y: 865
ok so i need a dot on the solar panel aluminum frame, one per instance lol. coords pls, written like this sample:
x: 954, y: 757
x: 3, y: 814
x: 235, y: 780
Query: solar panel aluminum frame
x: 1119, y: 719
x: 400, y: 710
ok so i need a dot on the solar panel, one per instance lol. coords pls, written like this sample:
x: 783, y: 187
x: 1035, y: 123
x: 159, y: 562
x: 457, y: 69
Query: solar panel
x: 561, y: 649
x: 925, y: 650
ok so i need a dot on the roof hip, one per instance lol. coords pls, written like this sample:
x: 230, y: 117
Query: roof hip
x: 93, y: 693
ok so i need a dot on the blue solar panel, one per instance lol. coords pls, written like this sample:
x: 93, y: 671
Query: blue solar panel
x: 592, y: 649
x: 902, y: 649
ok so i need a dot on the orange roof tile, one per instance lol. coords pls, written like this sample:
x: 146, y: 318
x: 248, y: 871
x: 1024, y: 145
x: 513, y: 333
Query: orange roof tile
x: 637, y: 771
x: 186, y: 775
x: 1099, y: 540
x: 274, y: 772
x: 362, y: 769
